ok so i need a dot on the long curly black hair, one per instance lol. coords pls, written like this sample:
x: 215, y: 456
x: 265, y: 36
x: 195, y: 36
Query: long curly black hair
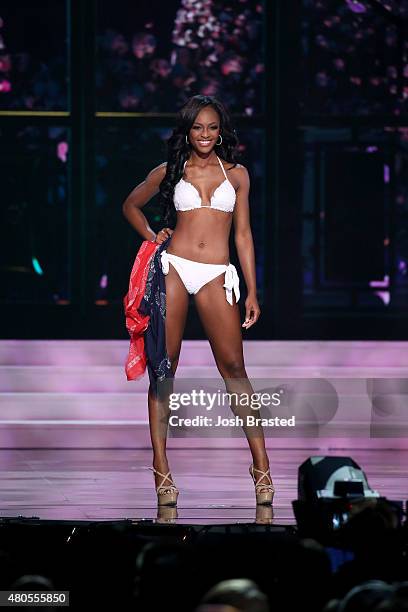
x: 179, y: 150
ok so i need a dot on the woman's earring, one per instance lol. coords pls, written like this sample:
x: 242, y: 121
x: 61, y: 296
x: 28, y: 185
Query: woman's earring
x: 187, y: 139
x: 219, y: 143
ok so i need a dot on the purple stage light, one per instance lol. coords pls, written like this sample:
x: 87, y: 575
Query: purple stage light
x: 356, y: 7
x: 103, y: 283
x: 62, y: 151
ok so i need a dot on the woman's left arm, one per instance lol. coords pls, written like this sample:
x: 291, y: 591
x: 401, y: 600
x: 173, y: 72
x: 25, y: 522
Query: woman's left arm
x: 245, y: 245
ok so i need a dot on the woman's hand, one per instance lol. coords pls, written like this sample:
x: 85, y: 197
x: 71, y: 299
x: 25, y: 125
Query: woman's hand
x: 252, y: 311
x: 163, y: 235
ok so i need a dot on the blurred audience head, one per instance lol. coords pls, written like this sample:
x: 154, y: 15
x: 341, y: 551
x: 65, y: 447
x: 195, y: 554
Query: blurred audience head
x: 398, y: 602
x: 362, y: 598
x: 33, y: 582
x: 234, y: 595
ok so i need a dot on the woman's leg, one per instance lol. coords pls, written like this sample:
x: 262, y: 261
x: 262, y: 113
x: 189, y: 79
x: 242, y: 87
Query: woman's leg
x: 176, y: 313
x: 222, y: 324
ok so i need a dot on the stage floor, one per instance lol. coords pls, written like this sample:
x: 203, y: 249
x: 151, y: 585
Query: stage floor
x: 215, y: 486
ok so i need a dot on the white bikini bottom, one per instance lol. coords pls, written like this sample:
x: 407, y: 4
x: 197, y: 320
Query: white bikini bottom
x: 195, y: 274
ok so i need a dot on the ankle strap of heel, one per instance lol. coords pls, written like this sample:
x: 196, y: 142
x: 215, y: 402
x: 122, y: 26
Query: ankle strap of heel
x: 162, y: 486
x: 258, y: 484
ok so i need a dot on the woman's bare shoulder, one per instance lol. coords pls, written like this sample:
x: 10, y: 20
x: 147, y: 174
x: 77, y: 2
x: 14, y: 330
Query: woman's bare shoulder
x: 238, y: 172
x: 232, y: 167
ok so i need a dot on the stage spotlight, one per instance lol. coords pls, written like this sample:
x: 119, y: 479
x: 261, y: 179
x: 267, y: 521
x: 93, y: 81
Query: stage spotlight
x: 330, y: 491
x: 332, y: 478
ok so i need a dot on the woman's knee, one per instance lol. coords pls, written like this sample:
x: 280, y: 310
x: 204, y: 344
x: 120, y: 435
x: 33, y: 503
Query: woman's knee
x: 233, y: 368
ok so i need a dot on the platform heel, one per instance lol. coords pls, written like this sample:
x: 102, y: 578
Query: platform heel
x: 166, y: 494
x: 264, y: 491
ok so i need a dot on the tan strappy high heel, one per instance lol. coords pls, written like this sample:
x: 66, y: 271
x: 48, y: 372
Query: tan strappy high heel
x: 166, y: 494
x: 264, y: 492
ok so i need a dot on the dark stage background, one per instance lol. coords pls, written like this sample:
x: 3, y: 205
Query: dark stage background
x: 318, y: 90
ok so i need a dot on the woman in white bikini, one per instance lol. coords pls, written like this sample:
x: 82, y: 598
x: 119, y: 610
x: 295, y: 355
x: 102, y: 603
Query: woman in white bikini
x: 203, y: 190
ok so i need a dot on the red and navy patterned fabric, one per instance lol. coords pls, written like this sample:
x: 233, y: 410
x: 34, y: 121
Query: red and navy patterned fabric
x: 153, y: 304
x: 136, y: 323
x: 145, y: 310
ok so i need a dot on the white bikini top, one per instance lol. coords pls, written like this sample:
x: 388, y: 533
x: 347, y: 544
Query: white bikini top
x: 187, y: 196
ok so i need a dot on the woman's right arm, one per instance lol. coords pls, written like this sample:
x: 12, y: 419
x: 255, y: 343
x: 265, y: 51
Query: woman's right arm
x: 137, y: 198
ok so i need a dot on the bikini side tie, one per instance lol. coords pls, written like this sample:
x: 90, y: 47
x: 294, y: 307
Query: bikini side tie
x: 231, y: 283
x: 165, y: 262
